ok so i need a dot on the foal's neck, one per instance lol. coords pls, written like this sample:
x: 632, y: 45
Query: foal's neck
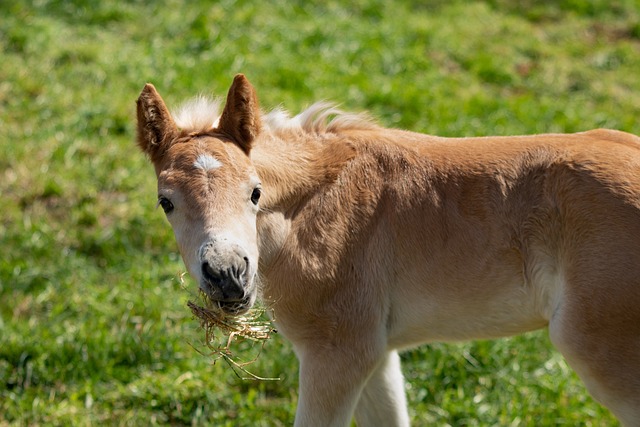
x: 291, y: 166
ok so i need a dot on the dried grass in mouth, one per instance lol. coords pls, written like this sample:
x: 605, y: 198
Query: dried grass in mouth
x: 244, y: 326
x: 217, y: 324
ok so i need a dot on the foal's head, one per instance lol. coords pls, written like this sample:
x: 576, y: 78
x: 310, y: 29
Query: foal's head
x: 210, y: 192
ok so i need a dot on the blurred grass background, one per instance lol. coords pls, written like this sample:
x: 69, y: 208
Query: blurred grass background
x: 93, y: 323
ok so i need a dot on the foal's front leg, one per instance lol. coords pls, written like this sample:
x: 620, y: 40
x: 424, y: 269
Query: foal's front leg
x: 331, y: 381
x: 383, y: 401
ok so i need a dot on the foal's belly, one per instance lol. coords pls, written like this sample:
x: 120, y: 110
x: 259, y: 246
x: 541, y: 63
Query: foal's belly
x: 459, y: 311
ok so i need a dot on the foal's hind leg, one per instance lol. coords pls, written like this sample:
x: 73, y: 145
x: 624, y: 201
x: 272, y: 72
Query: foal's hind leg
x: 601, y: 342
x: 383, y: 401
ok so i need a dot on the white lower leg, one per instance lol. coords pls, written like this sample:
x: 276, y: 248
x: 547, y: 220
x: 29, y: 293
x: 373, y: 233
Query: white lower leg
x: 383, y: 401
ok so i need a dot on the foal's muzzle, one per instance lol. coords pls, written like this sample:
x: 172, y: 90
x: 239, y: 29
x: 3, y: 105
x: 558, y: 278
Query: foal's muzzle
x: 225, y: 279
x: 226, y: 284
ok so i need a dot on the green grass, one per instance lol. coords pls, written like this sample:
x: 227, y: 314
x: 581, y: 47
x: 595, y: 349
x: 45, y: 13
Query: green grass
x: 93, y: 323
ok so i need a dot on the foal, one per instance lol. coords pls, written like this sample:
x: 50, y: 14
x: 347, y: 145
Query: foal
x: 370, y: 240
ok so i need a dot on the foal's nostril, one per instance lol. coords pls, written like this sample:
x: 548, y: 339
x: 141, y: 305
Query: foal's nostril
x: 211, y: 275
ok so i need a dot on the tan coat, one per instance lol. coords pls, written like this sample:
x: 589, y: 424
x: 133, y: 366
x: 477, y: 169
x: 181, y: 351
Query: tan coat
x: 369, y: 240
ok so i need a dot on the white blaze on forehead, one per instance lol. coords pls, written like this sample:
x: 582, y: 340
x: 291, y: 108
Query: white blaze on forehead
x: 207, y: 162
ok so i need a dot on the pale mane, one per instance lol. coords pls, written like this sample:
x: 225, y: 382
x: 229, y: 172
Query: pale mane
x: 321, y: 117
x: 198, y: 114
x: 202, y: 113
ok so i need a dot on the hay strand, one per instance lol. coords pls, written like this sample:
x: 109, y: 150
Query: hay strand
x: 217, y: 324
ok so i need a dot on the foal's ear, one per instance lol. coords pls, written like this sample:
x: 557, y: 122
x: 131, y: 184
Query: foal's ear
x: 240, y: 118
x: 156, y: 128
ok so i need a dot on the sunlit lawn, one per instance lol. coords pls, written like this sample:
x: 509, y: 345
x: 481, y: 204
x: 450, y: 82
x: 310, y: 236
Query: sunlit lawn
x: 94, y: 327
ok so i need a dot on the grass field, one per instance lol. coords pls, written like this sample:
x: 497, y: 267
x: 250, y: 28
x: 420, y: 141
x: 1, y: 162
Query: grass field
x: 94, y: 327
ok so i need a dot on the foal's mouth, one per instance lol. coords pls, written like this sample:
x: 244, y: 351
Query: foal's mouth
x: 233, y: 308
x: 215, y: 301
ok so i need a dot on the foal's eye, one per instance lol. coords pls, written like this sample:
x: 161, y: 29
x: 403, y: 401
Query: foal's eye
x: 255, y: 195
x: 166, y: 204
